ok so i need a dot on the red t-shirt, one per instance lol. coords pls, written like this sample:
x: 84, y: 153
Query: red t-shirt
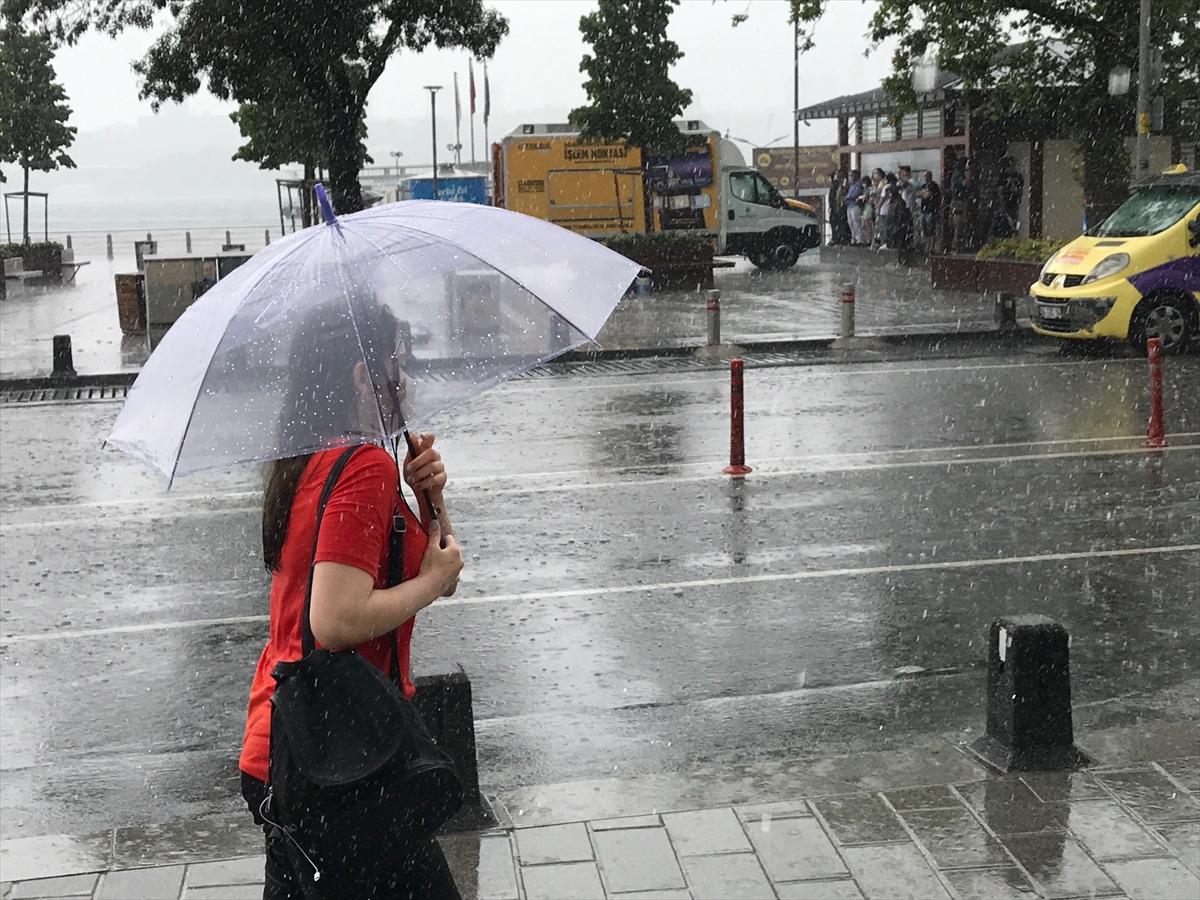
x: 355, y: 532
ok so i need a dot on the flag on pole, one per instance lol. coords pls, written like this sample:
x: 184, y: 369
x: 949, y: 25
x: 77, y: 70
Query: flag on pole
x: 457, y: 103
x: 471, y: 77
x: 487, y: 96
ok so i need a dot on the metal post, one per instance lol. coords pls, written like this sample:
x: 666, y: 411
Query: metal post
x: 1143, y: 95
x: 228, y: 239
x: 737, y: 437
x: 714, y: 317
x: 433, y: 89
x: 848, y: 310
x: 1156, y: 433
x: 266, y: 237
x: 796, y: 109
x: 187, y: 238
x: 110, y: 253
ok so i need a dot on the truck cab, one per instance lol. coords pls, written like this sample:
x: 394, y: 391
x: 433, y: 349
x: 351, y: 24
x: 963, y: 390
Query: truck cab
x: 759, y: 223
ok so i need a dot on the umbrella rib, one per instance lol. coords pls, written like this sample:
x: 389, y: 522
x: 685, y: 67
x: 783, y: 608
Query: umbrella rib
x: 196, y: 400
x: 474, y: 255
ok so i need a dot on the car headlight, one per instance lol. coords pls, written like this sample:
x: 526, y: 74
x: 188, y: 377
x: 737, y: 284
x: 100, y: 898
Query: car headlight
x: 1053, y: 257
x: 1110, y: 265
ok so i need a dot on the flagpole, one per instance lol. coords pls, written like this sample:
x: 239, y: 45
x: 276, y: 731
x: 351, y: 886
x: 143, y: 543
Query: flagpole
x: 487, y: 112
x: 471, y: 91
x: 457, y: 124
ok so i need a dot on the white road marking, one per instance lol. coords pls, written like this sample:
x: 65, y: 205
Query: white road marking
x: 533, y: 596
x: 603, y: 380
x: 706, y: 471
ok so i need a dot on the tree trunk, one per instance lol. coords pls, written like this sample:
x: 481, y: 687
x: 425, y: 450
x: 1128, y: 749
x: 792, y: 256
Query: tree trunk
x: 25, y: 198
x: 342, y: 117
x: 306, y: 198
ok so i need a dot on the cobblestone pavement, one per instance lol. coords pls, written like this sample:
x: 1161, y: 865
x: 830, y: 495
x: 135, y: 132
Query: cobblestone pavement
x: 1125, y: 831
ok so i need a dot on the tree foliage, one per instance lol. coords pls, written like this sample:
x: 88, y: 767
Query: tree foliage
x: 1057, y: 72
x: 332, y: 51
x: 629, y: 87
x: 282, y: 130
x: 34, y: 132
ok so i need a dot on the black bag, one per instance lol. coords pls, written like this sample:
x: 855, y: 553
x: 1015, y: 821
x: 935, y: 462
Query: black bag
x: 354, y: 774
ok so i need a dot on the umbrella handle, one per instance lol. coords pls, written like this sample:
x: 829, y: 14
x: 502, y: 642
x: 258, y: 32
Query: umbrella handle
x: 433, y: 510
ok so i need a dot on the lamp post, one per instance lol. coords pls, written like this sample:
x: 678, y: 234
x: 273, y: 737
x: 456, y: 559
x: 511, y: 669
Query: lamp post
x: 796, y: 108
x: 1143, y: 94
x: 433, y: 89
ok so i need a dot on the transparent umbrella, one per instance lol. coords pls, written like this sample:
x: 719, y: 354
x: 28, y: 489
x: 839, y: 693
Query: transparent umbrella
x: 438, y: 301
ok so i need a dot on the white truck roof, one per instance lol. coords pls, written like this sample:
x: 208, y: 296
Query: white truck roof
x: 563, y: 129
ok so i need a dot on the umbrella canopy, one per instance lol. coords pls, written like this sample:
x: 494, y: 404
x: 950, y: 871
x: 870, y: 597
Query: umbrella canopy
x: 438, y: 300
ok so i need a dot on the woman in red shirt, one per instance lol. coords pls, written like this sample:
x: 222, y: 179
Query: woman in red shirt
x: 351, y: 603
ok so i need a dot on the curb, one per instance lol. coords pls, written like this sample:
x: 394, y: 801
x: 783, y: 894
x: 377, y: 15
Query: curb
x: 932, y: 340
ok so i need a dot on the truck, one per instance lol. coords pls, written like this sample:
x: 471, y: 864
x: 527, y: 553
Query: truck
x: 601, y: 189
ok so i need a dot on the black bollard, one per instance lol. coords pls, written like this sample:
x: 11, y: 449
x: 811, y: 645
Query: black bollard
x: 64, y: 363
x: 1029, y: 698
x: 1006, y: 310
x: 444, y: 704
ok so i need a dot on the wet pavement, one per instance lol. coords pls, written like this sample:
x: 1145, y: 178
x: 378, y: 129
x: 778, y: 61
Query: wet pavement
x: 646, y: 636
x: 931, y: 825
x: 803, y: 303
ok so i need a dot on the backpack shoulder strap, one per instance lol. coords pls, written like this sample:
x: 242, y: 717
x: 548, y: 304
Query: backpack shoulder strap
x: 307, y: 642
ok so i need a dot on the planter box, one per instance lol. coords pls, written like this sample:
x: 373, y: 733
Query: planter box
x: 966, y: 273
x: 675, y: 268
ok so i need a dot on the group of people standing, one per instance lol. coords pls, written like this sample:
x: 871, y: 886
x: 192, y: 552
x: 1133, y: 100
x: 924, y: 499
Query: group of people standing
x: 886, y: 209
x: 892, y: 209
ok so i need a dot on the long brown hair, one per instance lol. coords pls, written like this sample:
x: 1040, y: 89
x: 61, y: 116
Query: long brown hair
x: 331, y: 340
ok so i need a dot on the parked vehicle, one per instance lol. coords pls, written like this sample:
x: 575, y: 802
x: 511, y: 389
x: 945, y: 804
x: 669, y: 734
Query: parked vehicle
x: 1134, y: 276
x: 602, y: 189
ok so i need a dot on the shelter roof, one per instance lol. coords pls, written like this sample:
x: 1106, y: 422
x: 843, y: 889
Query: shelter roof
x: 877, y: 100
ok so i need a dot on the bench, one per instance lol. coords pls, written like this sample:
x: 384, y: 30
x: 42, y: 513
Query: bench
x: 71, y: 269
x: 14, y: 270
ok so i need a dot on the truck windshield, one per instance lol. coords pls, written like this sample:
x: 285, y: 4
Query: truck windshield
x: 1151, y: 210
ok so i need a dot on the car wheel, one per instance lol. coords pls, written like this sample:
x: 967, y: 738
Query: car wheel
x: 1170, y: 318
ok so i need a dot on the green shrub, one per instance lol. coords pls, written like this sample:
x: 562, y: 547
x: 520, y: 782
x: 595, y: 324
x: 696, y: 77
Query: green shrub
x: 634, y: 241
x: 1018, y: 248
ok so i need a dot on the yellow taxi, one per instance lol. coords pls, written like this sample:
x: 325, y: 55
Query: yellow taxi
x: 1134, y: 276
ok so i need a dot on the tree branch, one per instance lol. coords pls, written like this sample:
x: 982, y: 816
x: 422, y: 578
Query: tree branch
x: 1054, y: 14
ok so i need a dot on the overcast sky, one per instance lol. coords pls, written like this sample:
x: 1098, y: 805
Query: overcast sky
x: 730, y: 70
x: 741, y: 79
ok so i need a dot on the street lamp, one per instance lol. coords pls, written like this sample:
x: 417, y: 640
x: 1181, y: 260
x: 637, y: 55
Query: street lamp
x: 433, y: 89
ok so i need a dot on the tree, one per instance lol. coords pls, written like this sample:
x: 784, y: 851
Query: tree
x: 1056, y: 70
x: 333, y: 51
x: 283, y: 131
x: 631, y: 92
x: 34, y: 132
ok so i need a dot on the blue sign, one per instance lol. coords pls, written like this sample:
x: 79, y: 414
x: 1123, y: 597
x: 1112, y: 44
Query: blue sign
x: 454, y: 189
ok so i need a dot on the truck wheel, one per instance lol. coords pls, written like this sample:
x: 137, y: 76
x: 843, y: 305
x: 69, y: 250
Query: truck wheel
x: 760, y: 258
x: 781, y: 249
x: 1169, y: 317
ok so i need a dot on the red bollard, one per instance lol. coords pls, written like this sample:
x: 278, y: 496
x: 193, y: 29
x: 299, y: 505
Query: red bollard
x: 1156, y: 434
x: 737, y: 439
